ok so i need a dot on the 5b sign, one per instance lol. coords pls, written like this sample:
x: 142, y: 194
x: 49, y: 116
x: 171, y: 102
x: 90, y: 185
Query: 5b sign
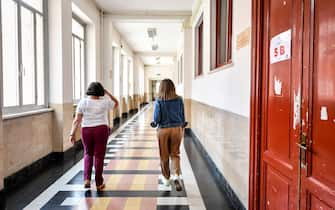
x: 280, y: 47
x: 279, y: 51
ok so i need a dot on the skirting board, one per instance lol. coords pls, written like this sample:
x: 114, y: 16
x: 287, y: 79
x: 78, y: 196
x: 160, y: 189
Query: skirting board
x: 28, y: 172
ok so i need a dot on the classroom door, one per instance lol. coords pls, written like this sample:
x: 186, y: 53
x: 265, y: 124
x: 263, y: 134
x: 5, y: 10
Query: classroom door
x: 318, y: 168
x: 281, y: 94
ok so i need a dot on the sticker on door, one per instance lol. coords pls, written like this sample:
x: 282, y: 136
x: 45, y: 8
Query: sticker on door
x: 280, y: 47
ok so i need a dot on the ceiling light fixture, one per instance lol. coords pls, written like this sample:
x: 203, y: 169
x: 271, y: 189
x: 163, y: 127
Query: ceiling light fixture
x: 152, y: 33
x: 154, y: 47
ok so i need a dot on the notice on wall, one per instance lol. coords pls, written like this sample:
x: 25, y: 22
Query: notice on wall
x: 243, y: 38
x: 280, y: 47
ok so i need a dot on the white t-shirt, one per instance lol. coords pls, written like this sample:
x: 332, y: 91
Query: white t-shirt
x: 94, y: 111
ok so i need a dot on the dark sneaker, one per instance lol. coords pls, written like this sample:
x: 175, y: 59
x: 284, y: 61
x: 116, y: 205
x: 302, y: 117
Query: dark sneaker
x: 177, y: 185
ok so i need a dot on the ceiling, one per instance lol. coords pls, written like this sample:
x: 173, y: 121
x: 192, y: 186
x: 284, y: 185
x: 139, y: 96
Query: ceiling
x: 146, y: 5
x: 132, y: 18
x: 157, y: 60
x: 168, y: 35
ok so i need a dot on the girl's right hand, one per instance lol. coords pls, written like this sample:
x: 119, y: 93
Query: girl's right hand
x: 72, y: 139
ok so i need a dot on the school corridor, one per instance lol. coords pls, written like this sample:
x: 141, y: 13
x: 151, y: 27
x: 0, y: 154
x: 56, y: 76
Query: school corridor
x: 257, y: 82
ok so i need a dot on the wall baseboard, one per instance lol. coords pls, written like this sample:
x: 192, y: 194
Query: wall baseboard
x: 219, y: 178
x: 125, y: 115
x: 116, y: 120
x: 30, y: 171
x: 2, y: 199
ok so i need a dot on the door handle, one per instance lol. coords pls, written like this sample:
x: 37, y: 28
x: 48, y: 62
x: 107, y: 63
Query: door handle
x: 303, y: 150
x: 302, y: 146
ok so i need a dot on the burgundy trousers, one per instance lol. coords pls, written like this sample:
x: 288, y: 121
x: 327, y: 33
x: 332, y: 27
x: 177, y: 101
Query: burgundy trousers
x: 94, y: 140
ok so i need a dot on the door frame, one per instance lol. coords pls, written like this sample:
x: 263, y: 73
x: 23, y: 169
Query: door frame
x: 255, y: 104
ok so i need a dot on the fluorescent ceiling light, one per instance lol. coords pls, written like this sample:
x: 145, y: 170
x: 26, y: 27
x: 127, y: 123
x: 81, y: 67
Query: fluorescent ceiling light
x: 152, y: 32
x: 155, y: 47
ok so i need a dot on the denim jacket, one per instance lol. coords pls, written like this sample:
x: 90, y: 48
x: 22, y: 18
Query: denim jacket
x: 169, y: 113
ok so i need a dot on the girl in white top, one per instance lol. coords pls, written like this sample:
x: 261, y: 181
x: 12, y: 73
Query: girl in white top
x: 92, y: 114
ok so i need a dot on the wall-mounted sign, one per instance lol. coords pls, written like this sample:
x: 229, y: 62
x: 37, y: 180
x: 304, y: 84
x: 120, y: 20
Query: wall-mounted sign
x: 280, y: 47
x: 243, y: 38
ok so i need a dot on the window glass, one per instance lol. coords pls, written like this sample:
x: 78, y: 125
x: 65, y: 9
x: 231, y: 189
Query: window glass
x: 200, y: 51
x: 78, y: 59
x: 116, y: 78
x: 10, y: 53
x: 77, y: 69
x: 40, y: 61
x: 28, y: 57
x: 223, y: 32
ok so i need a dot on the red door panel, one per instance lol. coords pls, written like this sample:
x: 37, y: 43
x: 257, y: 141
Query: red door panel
x: 318, y: 181
x: 278, y: 137
x: 277, y: 191
x: 279, y: 152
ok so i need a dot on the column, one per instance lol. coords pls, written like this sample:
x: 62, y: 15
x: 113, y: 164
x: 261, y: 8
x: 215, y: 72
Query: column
x: 187, y: 71
x: 60, y: 71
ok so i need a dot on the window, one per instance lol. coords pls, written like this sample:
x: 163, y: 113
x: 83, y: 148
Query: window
x: 223, y: 32
x: 199, y: 47
x: 23, y: 55
x: 78, y: 59
x: 116, y: 69
x: 125, y: 73
x: 181, y: 68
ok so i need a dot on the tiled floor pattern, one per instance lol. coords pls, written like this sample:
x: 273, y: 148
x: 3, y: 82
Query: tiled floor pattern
x: 132, y: 177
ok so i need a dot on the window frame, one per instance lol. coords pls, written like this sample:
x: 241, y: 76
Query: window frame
x: 44, y: 14
x: 199, y: 43
x: 228, y: 40
x: 83, y: 70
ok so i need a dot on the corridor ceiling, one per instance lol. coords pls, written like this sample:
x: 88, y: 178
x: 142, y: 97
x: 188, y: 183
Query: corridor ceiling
x: 145, y: 5
x: 132, y: 18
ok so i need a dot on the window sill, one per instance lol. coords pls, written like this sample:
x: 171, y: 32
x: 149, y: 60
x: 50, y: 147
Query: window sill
x: 26, y: 114
x: 225, y: 66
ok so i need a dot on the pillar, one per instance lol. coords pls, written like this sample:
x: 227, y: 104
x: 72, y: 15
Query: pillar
x: 60, y: 71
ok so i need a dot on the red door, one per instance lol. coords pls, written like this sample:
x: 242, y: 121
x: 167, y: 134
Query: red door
x: 318, y: 173
x: 297, y: 156
x: 280, y: 104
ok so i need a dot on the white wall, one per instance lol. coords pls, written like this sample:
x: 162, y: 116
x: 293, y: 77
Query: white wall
x: 226, y: 88
x: 229, y: 86
x: 60, y: 59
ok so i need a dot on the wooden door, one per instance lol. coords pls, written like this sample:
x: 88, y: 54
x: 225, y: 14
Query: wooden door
x: 318, y: 172
x: 281, y: 94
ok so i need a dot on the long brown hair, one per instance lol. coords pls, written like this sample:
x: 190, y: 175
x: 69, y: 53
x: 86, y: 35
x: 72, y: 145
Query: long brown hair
x: 167, y: 90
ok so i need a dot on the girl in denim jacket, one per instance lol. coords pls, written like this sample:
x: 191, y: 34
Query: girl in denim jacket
x: 170, y: 119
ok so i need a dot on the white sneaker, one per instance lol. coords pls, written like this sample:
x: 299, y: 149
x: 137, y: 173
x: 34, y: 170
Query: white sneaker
x: 176, y: 177
x: 166, y: 182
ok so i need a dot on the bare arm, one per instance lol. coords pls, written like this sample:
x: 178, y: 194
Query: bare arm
x: 76, y: 122
x: 112, y: 97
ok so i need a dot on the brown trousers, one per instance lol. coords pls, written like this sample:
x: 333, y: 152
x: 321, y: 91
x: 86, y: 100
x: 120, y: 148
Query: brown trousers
x: 169, y: 143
